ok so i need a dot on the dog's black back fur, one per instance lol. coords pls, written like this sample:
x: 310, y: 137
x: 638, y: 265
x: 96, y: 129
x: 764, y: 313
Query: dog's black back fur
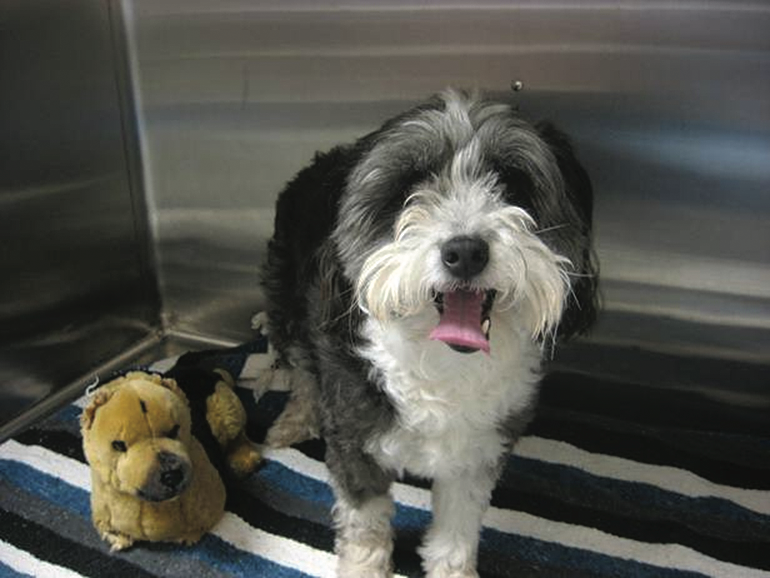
x: 582, y: 307
x: 305, y: 216
x: 310, y: 307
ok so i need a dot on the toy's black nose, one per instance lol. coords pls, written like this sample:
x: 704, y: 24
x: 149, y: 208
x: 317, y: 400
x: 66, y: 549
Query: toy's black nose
x: 464, y: 256
x: 172, y: 470
x: 172, y: 478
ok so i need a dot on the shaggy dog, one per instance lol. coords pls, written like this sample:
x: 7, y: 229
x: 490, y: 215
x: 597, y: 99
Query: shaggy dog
x: 414, y: 281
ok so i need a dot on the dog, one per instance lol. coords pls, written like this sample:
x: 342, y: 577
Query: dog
x: 414, y: 282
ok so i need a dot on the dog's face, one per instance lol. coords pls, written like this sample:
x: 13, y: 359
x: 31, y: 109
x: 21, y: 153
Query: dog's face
x: 461, y: 218
x: 136, y: 431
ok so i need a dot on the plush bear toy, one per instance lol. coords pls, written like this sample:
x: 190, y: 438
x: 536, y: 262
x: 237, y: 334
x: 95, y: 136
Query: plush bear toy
x: 151, y: 478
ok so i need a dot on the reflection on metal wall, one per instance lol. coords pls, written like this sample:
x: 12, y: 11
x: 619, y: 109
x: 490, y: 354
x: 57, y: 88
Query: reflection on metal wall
x: 667, y: 102
x: 76, y: 289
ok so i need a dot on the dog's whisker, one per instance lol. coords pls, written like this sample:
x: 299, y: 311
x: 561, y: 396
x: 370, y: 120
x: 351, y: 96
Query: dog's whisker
x: 549, y: 229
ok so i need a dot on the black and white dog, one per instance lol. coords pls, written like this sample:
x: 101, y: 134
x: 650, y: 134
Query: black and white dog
x: 414, y: 281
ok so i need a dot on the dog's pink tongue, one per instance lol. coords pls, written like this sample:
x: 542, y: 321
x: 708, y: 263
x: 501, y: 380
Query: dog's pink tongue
x: 460, y: 322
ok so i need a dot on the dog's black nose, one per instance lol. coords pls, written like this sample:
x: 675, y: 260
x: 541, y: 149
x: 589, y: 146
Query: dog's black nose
x: 464, y: 256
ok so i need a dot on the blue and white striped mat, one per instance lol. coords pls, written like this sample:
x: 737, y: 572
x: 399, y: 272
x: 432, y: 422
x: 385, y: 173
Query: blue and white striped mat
x: 644, y: 491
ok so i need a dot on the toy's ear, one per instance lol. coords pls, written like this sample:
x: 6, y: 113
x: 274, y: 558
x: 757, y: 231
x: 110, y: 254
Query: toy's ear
x: 171, y: 384
x: 98, y: 399
x: 167, y: 382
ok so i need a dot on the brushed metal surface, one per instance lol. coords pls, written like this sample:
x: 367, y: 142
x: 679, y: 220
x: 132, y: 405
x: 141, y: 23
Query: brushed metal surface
x: 668, y: 103
x: 77, y: 287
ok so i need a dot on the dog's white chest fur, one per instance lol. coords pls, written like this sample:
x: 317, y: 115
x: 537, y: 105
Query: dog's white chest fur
x: 449, y: 405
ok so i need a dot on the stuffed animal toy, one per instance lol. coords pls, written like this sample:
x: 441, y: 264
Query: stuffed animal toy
x: 151, y: 477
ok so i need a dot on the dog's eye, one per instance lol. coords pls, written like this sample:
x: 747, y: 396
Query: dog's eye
x: 173, y: 432
x: 119, y: 446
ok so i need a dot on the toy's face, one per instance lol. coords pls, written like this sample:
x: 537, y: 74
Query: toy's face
x: 137, y: 441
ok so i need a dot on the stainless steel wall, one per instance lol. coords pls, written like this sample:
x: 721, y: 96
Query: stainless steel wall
x: 77, y: 287
x: 667, y: 103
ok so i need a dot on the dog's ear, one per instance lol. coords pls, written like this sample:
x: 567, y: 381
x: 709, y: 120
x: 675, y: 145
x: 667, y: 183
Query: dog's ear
x: 383, y: 168
x: 576, y: 239
x: 577, y: 183
x: 333, y: 288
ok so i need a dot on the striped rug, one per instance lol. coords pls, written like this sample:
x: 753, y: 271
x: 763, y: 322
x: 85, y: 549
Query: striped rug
x: 609, y: 481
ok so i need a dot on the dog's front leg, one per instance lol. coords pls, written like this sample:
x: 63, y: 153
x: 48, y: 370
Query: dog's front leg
x: 450, y: 547
x: 362, y: 514
x: 364, y: 541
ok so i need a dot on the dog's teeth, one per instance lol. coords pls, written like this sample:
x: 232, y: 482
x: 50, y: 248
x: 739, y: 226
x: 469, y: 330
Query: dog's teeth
x: 485, y: 325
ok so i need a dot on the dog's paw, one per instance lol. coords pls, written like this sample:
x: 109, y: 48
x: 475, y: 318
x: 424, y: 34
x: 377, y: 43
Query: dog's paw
x: 359, y: 560
x: 297, y: 423
x: 299, y: 420
x: 455, y: 563
x: 444, y: 573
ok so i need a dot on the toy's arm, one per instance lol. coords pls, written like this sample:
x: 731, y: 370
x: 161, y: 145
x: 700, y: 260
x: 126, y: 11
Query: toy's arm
x: 102, y: 517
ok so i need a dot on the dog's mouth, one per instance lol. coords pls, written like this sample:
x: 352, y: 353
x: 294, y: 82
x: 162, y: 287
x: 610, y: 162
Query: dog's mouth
x: 464, y: 321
